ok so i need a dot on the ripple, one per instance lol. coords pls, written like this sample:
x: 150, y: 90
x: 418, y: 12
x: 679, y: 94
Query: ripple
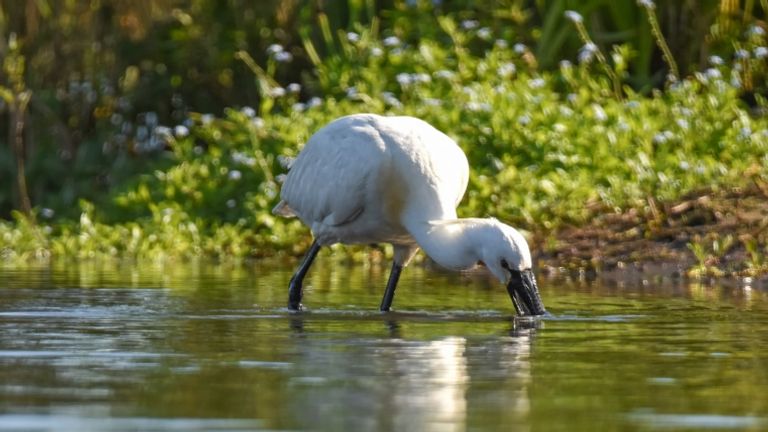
x: 698, y: 421
x: 59, y: 422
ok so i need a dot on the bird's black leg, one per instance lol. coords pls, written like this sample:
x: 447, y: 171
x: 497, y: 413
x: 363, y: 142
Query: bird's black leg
x: 294, y: 287
x: 389, y: 293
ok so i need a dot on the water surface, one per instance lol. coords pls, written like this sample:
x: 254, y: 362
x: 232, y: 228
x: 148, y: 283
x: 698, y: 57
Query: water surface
x: 206, y: 347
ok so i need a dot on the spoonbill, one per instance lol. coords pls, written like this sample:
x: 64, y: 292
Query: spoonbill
x: 366, y: 178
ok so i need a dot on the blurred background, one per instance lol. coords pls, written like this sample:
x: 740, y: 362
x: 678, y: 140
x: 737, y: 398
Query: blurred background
x: 87, y: 83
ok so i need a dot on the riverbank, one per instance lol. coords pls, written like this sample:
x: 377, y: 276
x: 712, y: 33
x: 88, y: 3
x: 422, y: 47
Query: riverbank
x: 705, y: 234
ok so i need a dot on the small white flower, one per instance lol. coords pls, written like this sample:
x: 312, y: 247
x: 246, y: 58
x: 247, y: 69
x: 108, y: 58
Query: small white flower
x: 277, y: 92
x: 478, y: 106
x: 520, y: 48
x: 162, y: 131
x: 257, y: 122
x: 587, y: 52
x: 243, y: 159
x: 742, y: 54
x: 524, y: 119
x: 745, y: 132
x: 713, y: 73
x: 574, y: 16
x: 351, y: 92
x: 536, y: 83
x: 150, y: 118
x: 756, y: 30
x: 445, y: 74
x: 506, y: 70
x: 285, y: 161
x: 299, y: 107
x: 294, y: 87
x: 142, y: 133
x: 206, y: 119
x: 376, y: 52
x: 761, y: 52
x: 47, y: 213
x: 685, y: 166
x: 716, y: 60
x: 600, y: 114
x: 404, y: 78
x: 274, y: 49
x: 648, y: 4
x: 501, y: 43
x: 565, y: 64
x: 663, y: 136
x: 181, y: 131
x: 231, y: 203
x: 390, y: 99
x: 422, y: 78
x: 248, y: 112
x: 283, y: 57
x: 235, y: 175
x: 391, y: 41
x: 469, y: 24
x: 484, y: 33
x: 672, y: 79
x: 353, y: 37
x: 314, y: 102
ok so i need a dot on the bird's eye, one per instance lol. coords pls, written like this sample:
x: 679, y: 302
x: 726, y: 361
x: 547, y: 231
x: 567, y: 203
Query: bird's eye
x: 504, y: 264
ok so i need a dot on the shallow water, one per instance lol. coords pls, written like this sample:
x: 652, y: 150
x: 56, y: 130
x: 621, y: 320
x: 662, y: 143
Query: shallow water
x: 204, y: 347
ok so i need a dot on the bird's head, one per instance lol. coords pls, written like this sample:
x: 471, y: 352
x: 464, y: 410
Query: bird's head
x: 506, y: 254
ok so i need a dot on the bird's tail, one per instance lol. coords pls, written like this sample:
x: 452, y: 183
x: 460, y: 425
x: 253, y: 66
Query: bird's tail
x: 282, y: 209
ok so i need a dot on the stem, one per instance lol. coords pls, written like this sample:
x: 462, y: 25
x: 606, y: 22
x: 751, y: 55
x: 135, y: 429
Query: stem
x: 17, y: 127
x: 662, y: 43
x: 582, y: 30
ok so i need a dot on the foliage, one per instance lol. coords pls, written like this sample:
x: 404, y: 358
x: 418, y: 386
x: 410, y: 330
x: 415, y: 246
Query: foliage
x: 548, y: 147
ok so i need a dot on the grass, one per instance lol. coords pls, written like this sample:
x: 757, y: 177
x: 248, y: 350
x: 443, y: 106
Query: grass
x: 548, y: 149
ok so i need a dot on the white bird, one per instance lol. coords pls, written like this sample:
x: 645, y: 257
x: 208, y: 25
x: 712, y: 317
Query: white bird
x: 366, y: 179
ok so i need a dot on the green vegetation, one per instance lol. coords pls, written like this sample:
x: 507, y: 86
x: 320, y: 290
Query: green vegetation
x: 152, y: 176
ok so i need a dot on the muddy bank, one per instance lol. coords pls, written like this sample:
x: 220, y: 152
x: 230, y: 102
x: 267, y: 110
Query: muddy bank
x: 709, y: 234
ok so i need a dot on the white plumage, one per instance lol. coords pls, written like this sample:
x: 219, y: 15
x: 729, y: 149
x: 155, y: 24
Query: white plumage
x: 367, y: 179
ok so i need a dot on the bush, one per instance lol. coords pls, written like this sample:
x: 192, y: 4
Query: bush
x: 546, y: 148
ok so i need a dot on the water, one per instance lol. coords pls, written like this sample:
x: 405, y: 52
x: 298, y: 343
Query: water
x: 203, y: 347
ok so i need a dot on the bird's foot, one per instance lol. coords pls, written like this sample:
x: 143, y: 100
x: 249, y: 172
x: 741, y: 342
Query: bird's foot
x: 295, y: 306
x: 294, y: 295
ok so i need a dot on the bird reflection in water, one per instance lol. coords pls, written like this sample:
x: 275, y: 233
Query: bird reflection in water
x: 394, y: 383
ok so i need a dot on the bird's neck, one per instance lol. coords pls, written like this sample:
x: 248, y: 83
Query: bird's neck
x: 454, y: 244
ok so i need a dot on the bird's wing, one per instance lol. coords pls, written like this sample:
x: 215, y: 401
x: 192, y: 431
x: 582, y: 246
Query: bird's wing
x: 329, y: 180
